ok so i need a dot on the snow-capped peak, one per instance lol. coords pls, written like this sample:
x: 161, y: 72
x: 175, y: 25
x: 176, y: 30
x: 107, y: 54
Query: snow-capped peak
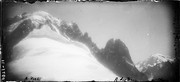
x: 161, y: 57
x: 153, y: 60
x: 43, y: 17
x: 38, y: 18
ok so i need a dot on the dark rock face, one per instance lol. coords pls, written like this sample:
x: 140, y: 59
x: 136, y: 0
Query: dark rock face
x: 12, y: 38
x: 116, y: 56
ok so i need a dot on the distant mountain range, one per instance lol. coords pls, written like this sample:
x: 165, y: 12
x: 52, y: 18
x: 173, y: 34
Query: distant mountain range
x: 158, y: 66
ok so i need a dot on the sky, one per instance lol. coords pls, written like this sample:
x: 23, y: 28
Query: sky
x: 144, y: 27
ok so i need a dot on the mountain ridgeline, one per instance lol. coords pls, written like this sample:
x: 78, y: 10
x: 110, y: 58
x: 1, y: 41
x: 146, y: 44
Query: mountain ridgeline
x: 114, y: 56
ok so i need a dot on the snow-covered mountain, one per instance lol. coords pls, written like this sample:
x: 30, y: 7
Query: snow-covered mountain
x: 157, y: 66
x: 38, y: 45
x: 153, y: 60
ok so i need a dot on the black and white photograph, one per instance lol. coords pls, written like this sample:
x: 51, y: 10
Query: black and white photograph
x: 88, y: 41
